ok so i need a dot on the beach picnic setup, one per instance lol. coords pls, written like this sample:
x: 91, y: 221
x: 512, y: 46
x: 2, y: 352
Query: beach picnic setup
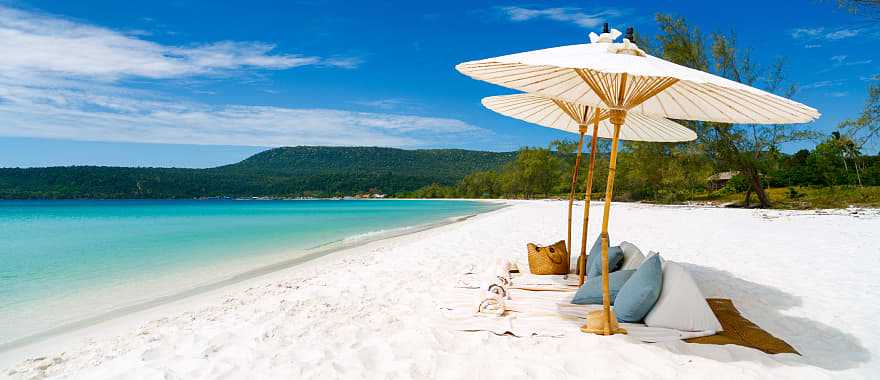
x: 439, y: 190
x: 611, y: 90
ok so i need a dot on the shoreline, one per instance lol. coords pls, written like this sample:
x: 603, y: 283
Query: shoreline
x: 311, y: 254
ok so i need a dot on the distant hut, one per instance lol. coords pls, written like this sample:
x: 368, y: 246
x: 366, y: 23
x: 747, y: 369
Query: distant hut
x: 719, y: 180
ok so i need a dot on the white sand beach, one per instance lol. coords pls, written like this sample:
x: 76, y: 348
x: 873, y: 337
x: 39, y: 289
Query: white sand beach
x: 811, y: 278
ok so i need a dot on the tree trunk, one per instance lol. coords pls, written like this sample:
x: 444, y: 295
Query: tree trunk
x: 748, y: 199
x: 747, y: 167
x: 858, y: 175
x: 759, y: 189
x: 856, y: 165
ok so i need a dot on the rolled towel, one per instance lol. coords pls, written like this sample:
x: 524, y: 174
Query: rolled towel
x: 493, y: 280
x: 489, y: 304
x: 504, y: 265
x: 502, y: 280
x: 497, y: 289
x: 497, y: 275
x: 500, y: 268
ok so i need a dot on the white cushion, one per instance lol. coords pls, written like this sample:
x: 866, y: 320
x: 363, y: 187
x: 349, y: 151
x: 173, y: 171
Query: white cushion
x: 632, y: 256
x: 681, y: 306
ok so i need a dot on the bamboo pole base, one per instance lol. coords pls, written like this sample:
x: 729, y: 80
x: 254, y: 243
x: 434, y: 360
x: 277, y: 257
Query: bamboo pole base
x: 601, y: 331
x: 597, y: 323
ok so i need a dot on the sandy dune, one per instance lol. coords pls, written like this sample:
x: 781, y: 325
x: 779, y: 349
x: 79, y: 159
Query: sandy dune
x: 810, y: 278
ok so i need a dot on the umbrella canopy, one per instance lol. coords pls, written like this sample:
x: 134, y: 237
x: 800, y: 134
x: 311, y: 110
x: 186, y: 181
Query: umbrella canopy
x: 568, y: 116
x: 619, y: 75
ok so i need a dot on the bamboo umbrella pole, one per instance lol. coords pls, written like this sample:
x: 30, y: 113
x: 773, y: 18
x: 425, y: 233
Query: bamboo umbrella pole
x: 620, y: 95
x: 617, y: 118
x: 582, y: 260
x: 574, y: 176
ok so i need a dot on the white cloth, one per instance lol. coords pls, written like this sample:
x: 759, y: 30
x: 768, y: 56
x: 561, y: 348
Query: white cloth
x: 566, y: 322
x: 549, y: 279
x: 681, y: 305
x: 545, y: 313
x: 658, y: 334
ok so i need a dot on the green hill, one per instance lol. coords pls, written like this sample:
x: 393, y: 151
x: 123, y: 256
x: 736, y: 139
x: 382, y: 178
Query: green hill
x: 280, y: 172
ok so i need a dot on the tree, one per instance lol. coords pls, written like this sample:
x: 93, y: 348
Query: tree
x: 733, y: 146
x: 483, y: 184
x: 662, y: 172
x: 534, y: 171
x: 566, y: 151
x: 865, y: 129
x: 826, y: 162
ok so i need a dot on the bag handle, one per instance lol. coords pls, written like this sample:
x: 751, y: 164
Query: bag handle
x: 549, y: 257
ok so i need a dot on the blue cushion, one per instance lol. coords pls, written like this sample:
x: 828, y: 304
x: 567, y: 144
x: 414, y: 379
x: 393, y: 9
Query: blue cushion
x: 594, y: 260
x: 639, y: 294
x: 591, y: 292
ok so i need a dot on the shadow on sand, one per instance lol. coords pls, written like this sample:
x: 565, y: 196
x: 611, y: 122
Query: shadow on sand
x: 820, y: 345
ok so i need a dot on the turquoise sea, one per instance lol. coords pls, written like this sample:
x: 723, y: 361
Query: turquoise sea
x: 63, y: 262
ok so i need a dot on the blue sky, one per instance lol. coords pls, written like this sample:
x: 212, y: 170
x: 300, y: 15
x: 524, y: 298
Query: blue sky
x: 197, y: 84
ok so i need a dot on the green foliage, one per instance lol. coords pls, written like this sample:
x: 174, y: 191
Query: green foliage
x: 793, y: 194
x: 534, y: 171
x: 483, y: 184
x: 282, y: 172
x: 737, y: 184
x: 433, y: 190
x: 663, y: 173
x: 827, y: 164
x: 809, y: 197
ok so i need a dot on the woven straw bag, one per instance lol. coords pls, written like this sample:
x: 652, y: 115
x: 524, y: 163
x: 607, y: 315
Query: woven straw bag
x: 552, y: 259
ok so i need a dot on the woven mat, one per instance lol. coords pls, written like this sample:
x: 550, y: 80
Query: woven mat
x: 741, y: 331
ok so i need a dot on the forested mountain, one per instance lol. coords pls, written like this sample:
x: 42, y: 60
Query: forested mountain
x: 280, y: 172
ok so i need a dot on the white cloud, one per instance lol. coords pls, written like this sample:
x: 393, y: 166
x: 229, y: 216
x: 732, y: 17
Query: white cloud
x: 820, y: 84
x: 38, y: 42
x: 856, y: 63
x: 841, y: 34
x: 566, y: 14
x: 843, y: 60
x: 109, y: 113
x: 805, y: 32
x: 821, y: 33
x: 812, y: 46
x: 68, y: 80
x: 342, y: 62
x: 387, y: 104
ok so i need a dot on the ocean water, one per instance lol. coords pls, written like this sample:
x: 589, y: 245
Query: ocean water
x: 63, y: 262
